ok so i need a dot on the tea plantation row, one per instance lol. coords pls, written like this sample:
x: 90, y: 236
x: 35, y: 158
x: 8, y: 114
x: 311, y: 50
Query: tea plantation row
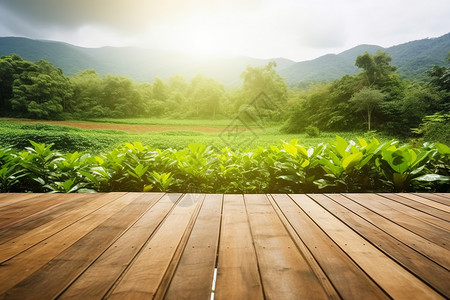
x: 337, y: 166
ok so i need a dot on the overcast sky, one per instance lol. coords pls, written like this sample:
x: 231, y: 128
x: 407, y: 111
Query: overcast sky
x: 298, y: 30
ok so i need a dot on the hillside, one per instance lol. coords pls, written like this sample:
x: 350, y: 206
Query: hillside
x: 412, y: 59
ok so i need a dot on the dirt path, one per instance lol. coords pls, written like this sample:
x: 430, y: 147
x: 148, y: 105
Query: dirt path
x: 123, y: 127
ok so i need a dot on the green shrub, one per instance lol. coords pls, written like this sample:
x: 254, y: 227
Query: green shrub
x: 435, y: 128
x: 338, y: 166
x: 312, y: 131
x: 296, y: 121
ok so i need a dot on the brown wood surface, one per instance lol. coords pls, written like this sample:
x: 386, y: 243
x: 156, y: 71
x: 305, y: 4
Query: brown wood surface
x: 424, y: 201
x: 237, y: 271
x: 423, y: 204
x: 193, y: 278
x: 8, y: 199
x: 58, y: 273
x: 391, y: 277
x: 416, y: 221
x: 19, y: 211
x: 24, y: 236
x: 278, y: 257
x: 414, y: 261
x: 26, y: 263
x: 167, y: 246
x: 440, y: 198
x: 435, y: 252
x: 143, y: 278
x: 346, y: 276
x: 96, y: 281
x: 437, y: 195
x: 43, y: 217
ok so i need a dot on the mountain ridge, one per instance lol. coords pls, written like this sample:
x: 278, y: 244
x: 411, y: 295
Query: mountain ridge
x: 412, y: 59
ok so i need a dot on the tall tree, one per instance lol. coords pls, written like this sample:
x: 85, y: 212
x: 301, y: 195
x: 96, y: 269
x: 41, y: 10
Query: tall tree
x: 257, y: 80
x: 206, y: 96
x: 11, y: 67
x: 120, y: 96
x: 377, y: 68
x: 87, y: 92
x: 367, y: 99
x: 440, y: 76
x: 41, y: 91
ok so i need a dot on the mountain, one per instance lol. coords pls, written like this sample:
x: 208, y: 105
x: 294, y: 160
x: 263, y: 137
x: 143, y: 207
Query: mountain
x: 412, y: 59
x: 139, y: 64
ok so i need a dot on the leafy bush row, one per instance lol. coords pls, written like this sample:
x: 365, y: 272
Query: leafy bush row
x: 337, y: 166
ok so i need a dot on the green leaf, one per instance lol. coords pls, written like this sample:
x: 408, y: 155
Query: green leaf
x: 341, y: 146
x: 305, y: 163
x: 130, y: 146
x: 442, y: 149
x: 432, y: 177
x: 362, y: 142
x: 351, y: 160
x: 291, y: 149
x: 148, y: 187
x: 99, y: 160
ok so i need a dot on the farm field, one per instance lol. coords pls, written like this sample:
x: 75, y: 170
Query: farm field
x: 53, y: 156
x: 105, y: 134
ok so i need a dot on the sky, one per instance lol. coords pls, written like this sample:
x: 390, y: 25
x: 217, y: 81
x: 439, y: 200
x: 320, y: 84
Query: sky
x: 297, y: 30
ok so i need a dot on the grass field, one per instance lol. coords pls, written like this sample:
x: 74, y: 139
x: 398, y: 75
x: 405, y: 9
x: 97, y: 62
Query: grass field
x: 105, y: 134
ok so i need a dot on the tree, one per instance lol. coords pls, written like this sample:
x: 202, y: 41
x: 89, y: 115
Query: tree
x: 264, y: 80
x: 120, y: 96
x: 87, y: 91
x: 9, y: 67
x: 376, y: 67
x: 160, y: 91
x: 206, y: 96
x: 40, y: 91
x: 440, y: 76
x: 367, y: 99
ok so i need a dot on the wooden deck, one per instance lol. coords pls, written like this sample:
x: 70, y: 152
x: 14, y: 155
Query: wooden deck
x: 168, y: 246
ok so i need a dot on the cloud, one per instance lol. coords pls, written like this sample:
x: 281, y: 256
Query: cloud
x: 296, y: 29
x: 126, y: 15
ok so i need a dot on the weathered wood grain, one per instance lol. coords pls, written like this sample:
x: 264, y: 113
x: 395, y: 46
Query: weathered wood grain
x: 280, y: 246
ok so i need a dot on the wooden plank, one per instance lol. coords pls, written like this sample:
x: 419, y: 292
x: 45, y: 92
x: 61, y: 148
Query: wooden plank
x: 23, y: 265
x: 415, y: 262
x: 74, y: 212
x: 10, y: 198
x: 58, y: 273
x: 427, y: 226
x: 95, y: 282
x: 285, y: 274
x: 419, y: 203
x: 445, y: 195
x: 419, y: 210
x: 320, y: 274
x: 346, y: 276
x: 237, y: 270
x: 143, y: 278
x: 389, y: 275
x: 14, y: 213
x: 29, y: 224
x: 420, y: 198
x: 21, y: 202
x: 435, y: 252
x: 194, y: 275
x: 440, y: 198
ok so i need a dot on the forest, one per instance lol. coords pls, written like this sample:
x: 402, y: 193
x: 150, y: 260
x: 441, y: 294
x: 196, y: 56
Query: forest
x: 376, y: 99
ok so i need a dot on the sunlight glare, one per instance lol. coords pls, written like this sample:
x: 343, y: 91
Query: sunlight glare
x: 200, y: 36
